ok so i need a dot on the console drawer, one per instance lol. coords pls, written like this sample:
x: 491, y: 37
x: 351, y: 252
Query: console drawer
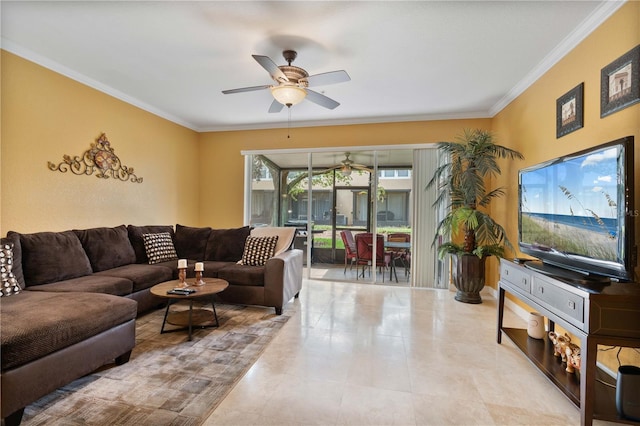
x: 564, y: 301
x: 516, y: 276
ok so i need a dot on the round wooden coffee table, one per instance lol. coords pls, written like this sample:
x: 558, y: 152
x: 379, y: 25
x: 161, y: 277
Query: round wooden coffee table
x: 188, y: 319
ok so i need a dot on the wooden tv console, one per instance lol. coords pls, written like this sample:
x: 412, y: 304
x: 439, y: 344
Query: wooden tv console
x: 596, y: 314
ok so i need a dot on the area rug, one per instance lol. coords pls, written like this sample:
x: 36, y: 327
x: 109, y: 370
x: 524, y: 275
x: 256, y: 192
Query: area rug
x: 168, y: 380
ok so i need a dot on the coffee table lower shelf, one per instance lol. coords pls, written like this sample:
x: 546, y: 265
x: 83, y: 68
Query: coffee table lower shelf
x: 540, y: 353
x: 189, y: 319
x: 200, y: 317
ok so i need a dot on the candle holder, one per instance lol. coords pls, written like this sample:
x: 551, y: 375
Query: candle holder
x: 182, y: 276
x: 199, y: 268
x: 199, y: 280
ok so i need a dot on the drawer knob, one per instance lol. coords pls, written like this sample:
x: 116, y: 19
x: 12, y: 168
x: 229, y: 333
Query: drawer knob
x: 572, y: 304
x: 541, y: 290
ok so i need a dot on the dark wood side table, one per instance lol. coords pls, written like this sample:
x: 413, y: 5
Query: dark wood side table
x: 188, y: 319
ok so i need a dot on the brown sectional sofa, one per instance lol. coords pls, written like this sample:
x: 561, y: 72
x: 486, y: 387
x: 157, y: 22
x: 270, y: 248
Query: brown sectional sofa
x: 82, y: 290
x: 50, y: 339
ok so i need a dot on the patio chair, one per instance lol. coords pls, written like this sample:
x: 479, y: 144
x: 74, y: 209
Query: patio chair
x: 364, y: 252
x: 403, y: 255
x: 350, y: 254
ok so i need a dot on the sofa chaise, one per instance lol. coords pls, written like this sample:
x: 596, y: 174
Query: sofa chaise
x: 78, y: 293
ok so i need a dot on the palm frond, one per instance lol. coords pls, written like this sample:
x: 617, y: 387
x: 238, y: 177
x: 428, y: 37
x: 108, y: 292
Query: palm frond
x: 461, y: 181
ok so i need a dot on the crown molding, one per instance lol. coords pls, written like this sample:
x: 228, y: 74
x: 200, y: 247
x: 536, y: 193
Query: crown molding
x: 586, y: 27
x: 350, y: 121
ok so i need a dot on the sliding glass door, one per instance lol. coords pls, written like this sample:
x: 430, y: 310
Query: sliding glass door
x: 324, y: 193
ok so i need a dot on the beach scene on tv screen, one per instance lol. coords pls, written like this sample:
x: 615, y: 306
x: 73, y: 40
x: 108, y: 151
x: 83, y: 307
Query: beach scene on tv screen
x: 572, y: 206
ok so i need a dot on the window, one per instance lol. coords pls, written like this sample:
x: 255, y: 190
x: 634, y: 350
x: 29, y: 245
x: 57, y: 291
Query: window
x: 394, y: 208
x: 262, y: 173
x: 264, y: 190
x: 321, y: 205
x: 394, y: 173
x: 262, y: 207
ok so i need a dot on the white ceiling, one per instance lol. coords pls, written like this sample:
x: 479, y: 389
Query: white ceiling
x: 415, y: 60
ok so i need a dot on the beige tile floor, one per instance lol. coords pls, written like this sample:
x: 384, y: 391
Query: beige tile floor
x: 334, y: 272
x: 369, y: 354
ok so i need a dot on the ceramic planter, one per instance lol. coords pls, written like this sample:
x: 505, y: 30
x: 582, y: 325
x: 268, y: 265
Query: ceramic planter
x: 468, y: 277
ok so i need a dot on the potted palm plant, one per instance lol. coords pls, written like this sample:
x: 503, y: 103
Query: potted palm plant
x: 461, y: 182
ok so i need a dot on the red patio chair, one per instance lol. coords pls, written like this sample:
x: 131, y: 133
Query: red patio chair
x: 403, y: 255
x: 350, y: 254
x: 364, y: 252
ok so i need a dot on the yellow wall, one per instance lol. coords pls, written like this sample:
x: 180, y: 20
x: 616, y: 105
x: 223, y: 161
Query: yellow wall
x: 528, y: 123
x: 46, y: 115
x: 223, y: 166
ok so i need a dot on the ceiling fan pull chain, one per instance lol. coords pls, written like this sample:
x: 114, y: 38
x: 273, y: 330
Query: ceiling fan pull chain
x: 289, y: 122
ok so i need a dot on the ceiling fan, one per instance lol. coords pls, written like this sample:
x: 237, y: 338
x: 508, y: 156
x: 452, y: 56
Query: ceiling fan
x: 347, y: 165
x: 293, y: 83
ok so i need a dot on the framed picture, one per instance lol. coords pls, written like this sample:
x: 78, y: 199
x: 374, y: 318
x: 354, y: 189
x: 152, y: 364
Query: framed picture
x: 620, y: 83
x: 570, y: 111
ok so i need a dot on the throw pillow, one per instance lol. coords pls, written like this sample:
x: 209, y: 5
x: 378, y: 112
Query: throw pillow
x: 257, y: 250
x: 159, y: 247
x: 9, y: 283
x: 14, y: 238
x: 135, y: 236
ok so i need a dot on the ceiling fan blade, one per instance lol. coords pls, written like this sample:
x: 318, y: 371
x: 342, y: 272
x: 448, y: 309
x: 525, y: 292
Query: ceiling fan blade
x: 331, y: 77
x: 362, y: 167
x: 271, y: 67
x: 275, y: 106
x: 245, y: 89
x: 327, y: 170
x: 321, y: 100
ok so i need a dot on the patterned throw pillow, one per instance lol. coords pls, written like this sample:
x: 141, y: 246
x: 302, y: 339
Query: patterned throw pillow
x: 257, y: 250
x: 159, y: 247
x: 9, y: 283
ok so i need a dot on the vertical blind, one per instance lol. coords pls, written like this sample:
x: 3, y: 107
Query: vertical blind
x: 427, y: 270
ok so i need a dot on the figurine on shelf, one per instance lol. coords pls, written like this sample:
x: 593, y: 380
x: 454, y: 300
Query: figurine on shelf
x: 560, y: 343
x: 572, y: 352
x: 563, y: 343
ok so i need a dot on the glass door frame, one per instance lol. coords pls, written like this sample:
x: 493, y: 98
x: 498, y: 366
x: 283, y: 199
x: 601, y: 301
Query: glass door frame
x: 248, y: 155
x: 335, y: 228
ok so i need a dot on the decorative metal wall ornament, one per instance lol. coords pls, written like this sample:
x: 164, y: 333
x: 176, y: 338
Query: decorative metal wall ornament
x: 99, y: 159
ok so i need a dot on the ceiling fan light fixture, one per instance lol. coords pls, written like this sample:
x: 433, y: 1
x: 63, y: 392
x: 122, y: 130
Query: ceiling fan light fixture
x: 288, y: 94
x: 346, y: 170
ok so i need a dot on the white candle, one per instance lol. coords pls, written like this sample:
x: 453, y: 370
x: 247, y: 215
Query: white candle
x: 199, y: 266
x: 182, y: 263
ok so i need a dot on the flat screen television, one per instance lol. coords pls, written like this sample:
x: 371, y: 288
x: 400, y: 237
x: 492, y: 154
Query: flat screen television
x: 576, y: 213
